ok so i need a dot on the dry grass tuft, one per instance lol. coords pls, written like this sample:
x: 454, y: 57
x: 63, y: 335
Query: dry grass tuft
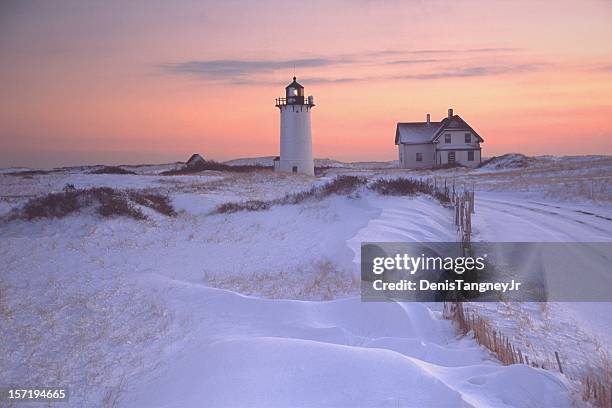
x: 108, y: 202
x: 157, y: 202
x: 319, y: 279
x: 114, y: 203
x: 597, y: 385
x: 214, y: 166
x: 112, y: 170
x: 402, y: 186
x: 250, y: 205
x: 341, y: 185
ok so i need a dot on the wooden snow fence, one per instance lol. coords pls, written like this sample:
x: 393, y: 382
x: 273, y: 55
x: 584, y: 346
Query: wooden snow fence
x: 486, y: 335
x: 595, y: 389
x: 461, y: 198
x: 464, y: 208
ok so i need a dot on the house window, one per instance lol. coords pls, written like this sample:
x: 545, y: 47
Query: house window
x: 447, y: 138
x: 468, y: 138
x: 419, y: 157
x: 470, y: 155
x: 451, y: 157
x: 294, y: 169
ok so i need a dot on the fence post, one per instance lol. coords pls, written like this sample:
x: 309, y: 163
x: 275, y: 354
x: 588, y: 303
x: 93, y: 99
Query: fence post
x: 559, y: 362
x: 472, y: 201
x: 470, y: 219
x: 456, y: 201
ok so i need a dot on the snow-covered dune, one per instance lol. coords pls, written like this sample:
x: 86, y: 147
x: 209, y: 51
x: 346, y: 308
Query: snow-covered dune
x: 248, y: 352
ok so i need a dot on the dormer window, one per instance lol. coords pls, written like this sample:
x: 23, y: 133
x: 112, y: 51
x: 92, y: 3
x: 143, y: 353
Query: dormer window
x: 447, y: 138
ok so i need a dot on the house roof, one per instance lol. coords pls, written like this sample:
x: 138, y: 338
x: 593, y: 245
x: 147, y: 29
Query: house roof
x: 423, y: 132
x: 416, y: 132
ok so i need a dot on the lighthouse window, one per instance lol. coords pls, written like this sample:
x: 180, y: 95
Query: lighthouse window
x: 293, y: 91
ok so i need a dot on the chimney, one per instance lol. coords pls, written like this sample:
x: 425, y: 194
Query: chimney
x: 450, y: 112
x: 428, y: 118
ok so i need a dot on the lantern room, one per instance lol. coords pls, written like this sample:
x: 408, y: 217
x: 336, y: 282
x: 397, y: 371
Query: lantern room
x: 294, y: 92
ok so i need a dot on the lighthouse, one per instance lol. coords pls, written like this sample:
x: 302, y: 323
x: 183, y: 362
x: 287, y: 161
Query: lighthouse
x: 295, y: 135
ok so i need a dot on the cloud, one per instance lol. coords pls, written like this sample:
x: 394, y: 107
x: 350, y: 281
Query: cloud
x: 226, y: 69
x: 492, y: 50
x: 475, y: 71
x: 486, y: 50
x: 411, y: 62
x: 232, y: 68
x: 466, y: 72
x: 256, y: 72
x: 323, y: 80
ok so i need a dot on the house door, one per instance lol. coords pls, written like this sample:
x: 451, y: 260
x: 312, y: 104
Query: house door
x: 451, y: 157
x: 294, y: 169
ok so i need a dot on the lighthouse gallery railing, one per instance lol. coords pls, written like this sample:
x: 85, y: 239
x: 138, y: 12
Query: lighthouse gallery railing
x: 283, y: 101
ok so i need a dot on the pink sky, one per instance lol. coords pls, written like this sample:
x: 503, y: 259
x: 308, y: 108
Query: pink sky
x: 152, y: 81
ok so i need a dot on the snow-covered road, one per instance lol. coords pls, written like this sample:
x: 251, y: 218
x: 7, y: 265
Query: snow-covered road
x: 503, y: 217
x: 579, y: 331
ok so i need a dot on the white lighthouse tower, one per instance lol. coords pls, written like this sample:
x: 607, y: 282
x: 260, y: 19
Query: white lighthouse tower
x: 295, y: 135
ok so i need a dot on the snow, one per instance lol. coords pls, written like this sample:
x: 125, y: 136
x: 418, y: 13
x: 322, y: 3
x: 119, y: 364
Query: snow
x: 262, y: 308
x: 15, y: 169
x: 338, y: 353
x: 522, y: 217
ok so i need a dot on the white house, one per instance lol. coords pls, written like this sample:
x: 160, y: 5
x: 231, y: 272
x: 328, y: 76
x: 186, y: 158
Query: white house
x: 434, y: 144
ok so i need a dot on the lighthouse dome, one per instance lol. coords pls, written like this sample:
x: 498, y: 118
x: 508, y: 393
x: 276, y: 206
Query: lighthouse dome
x: 294, y: 84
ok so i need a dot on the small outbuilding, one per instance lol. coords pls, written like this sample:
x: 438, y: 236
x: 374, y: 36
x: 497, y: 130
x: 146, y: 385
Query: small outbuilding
x: 436, y: 144
x: 194, y: 161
